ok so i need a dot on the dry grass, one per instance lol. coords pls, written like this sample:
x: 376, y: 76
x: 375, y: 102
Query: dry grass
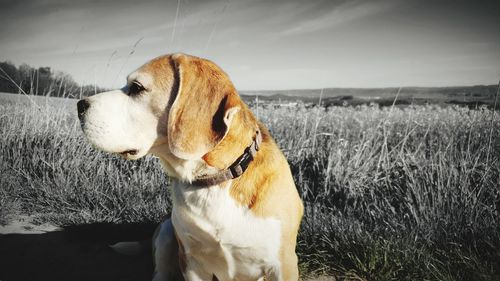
x: 391, y: 194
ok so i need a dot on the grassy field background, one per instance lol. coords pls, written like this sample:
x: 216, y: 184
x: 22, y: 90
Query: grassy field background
x: 471, y: 96
x: 391, y: 193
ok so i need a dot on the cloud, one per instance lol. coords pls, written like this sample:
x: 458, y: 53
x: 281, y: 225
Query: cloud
x: 343, y: 13
x: 262, y: 43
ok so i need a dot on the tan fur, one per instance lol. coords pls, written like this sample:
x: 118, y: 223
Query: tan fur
x: 202, y: 120
x: 196, y: 124
x: 267, y: 187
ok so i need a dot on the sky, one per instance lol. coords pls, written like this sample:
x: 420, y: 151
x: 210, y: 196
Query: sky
x: 263, y: 45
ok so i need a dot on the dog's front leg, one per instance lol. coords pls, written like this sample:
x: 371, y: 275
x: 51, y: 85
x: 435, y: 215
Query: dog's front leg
x: 166, y: 253
x: 195, y: 272
x: 273, y: 274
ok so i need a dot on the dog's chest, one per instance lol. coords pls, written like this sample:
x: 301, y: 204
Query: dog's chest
x: 224, y: 237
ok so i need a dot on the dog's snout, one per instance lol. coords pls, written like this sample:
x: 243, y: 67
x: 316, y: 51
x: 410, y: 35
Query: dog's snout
x: 82, y: 106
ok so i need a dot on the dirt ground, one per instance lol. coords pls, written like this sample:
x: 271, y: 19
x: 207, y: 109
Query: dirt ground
x: 45, y: 252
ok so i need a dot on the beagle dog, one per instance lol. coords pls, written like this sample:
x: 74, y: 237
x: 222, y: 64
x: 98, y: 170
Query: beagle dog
x: 236, y: 211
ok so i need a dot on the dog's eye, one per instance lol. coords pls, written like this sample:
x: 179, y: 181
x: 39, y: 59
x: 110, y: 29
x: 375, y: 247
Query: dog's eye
x: 135, y: 88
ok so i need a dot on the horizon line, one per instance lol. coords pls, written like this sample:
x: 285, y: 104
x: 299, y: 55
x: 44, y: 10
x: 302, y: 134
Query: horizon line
x: 367, y: 88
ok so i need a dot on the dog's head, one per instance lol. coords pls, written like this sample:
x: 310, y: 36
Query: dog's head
x: 184, y: 103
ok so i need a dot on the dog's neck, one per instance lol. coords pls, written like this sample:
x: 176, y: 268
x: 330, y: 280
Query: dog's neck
x: 199, y: 173
x: 181, y: 169
x: 236, y: 169
x: 240, y: 135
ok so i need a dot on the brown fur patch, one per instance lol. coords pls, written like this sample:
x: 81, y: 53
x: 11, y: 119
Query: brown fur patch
x: 201, y: 95
x: 202, y: 88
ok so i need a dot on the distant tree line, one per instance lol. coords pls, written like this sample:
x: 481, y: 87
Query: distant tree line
x: 41, y: 81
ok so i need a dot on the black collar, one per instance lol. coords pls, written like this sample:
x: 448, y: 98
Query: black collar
x: 234, y: 170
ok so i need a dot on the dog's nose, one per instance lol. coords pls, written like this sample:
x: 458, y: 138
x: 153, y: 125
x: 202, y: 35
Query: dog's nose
x: 82, y: 106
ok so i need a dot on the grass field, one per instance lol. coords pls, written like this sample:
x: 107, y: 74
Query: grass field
x: 390, y: 193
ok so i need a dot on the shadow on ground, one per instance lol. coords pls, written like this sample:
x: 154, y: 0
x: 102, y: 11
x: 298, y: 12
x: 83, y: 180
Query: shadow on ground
x: 76, y: 253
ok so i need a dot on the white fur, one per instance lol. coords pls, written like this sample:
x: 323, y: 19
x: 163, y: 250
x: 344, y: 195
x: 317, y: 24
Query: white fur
x: 182, y: 169
x: 219, y: 235
x: 223, y: 238
x: 116, y: 122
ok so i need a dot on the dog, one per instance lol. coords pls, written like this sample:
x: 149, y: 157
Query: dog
x: 236, y: 211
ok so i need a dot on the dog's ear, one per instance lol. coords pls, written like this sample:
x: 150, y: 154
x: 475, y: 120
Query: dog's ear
x: 203, y: 109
